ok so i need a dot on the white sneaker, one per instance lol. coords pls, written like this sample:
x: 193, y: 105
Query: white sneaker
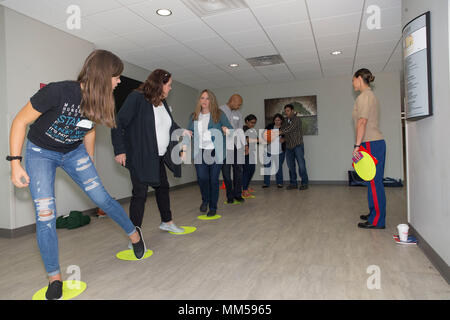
x: 170, y: 227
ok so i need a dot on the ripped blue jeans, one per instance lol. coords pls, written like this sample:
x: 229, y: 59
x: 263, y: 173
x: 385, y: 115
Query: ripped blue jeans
x: 41, y: 167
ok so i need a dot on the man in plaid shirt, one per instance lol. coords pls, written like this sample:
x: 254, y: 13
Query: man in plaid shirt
x: 295, y: 149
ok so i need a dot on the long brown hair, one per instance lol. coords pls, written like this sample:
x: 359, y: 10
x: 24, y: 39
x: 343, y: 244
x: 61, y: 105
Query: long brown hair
x: 97, y: 102
x: 213, y: 106
x: 153, y: 86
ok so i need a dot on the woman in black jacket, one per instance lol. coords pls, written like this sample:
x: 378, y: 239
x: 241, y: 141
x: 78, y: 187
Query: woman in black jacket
x: 142, y: 143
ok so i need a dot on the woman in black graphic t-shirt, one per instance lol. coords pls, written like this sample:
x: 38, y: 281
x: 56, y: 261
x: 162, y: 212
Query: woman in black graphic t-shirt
x: 62, y: 134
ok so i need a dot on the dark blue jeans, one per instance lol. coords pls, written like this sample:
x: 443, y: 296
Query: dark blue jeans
x: 208, y: 180
x: 41, y: 167
x: 233, y: 187
x: 294, y: 155
x: 279, y: 168
x: 248, y: 172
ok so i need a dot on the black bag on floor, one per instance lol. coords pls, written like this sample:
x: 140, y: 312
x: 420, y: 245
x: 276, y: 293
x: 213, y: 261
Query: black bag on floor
x: 390, y: 182
x: 354, y: 180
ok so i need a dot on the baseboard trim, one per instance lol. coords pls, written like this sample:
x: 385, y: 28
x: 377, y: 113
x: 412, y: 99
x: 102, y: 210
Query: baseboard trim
x: 22, y: 231
x: 332, y: 183
x: 432, y: 255
x: 19, y: 232
x: 127, y: 199
x: 311, y: 182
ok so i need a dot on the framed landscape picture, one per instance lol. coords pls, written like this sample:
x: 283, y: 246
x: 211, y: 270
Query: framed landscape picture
x: 305, y: 107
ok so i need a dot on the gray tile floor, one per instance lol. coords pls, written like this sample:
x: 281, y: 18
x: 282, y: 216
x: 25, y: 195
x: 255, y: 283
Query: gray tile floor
x: 281, y: 245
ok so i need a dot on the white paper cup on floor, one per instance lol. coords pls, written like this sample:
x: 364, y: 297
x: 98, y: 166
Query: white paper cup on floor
x: 403, y: 232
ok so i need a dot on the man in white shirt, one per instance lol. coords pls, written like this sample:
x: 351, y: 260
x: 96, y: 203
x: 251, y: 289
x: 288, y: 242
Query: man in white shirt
x: 234, y: 152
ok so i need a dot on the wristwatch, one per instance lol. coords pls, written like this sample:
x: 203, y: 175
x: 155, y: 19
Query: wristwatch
x: 356, y: 146
x: 10, y: 158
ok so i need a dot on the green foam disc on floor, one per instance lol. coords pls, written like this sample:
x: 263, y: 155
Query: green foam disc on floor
x: 187, y: 230
x: 205, y: 217
x: 235, y: 202
x: 249, y: 197
x: 71, y: 289
x: 128, y: 255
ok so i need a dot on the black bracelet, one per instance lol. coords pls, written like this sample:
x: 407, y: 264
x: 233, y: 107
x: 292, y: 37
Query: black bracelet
x: 11, y: 158
x: 356, y: 146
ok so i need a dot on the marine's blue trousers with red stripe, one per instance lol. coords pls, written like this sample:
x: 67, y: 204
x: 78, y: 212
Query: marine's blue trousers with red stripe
x: 375, y: 194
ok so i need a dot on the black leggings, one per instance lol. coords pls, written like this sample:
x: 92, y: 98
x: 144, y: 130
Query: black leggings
x: 139, y: 196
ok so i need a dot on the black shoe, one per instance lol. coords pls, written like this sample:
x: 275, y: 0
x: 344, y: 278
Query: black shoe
x: 364, y: 217
x: 291, y: 187
x: 230, y: 201
x: 239, y: 199
x: 367, y: 225
x: 139, y: 247
x: 279, y: 186
x: 265, y: 186
x: 204, y: 207
x: 54, y: 290
x: 303, y: 187
x: 211, y: 213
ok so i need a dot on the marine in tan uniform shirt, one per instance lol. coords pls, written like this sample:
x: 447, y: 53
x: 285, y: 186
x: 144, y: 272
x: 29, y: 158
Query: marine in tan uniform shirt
x: 367, y: 107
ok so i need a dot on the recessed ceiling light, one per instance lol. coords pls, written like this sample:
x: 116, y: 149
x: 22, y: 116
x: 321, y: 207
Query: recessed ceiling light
x: 234, y: 65
x: 164, y: 12
x: 336, y: 53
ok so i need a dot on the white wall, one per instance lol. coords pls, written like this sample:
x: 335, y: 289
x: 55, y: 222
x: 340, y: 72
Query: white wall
x: 428, y: 139
x: 5, y: 190
x: 33, y: 52
x: 37, y: 53
x: 335, y: 100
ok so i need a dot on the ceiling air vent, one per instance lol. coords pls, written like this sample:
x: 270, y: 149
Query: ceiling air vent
x: 203, y: 8
x: 265, y: 60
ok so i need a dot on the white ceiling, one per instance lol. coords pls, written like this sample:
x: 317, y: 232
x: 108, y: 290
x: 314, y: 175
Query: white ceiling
x: 198, y: 50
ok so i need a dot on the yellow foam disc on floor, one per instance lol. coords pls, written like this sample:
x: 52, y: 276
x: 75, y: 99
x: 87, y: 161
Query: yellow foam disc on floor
x: 205, y: 217
x: 71, y: 289
x: 249, y: 197
x: 128, y: 255
x: 187, y: 230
